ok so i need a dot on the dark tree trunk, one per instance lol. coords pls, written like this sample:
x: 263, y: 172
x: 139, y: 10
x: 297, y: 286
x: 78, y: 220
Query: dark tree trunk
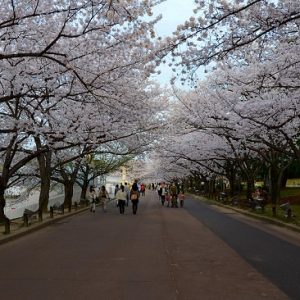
x: 3, y: 186
x: 274, y: 187
x: 68, y: 194
x: 276, y: 171
x: 284, y: 179
x: 44, y: 161
x: 250, y: 187
x: 84, y: 190
x: 212, y: 189
x: 231, y: 176
x: 85, y: 183
x: 3, y: 217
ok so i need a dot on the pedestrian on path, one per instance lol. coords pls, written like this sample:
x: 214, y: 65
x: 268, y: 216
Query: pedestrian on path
x: 103, y: 197
x: 181, y: 198
x: 162, y: 193
x: 121, y: 197
x: 127, y: 190
x: 116, y: 189
x: 174, y: 194
x: 143, y: 189
x: 168, y: 199
x: 92, y: 198
x: 159, y: 191
x: 134, y: 197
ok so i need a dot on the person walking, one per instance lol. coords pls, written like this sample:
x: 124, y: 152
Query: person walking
x: 127, y: 190
x: 162, y: 193
x: 181, y: 198
x: 143, y: 189
x: 121, y: 197
x: 173, y: 193
x: 103, y: 197
x: 134, y: 197
x: 116, y: 189
x: 168, y: 198
x: 92, y: 198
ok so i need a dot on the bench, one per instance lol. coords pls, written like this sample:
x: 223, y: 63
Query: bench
x: 235, y: 200
x: 57, y: 207
x: 287, y: 209
x: 223, y: 197
x: 27, y: 215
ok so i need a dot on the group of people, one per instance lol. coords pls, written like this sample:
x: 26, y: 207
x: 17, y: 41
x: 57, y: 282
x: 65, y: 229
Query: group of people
x: 258, y: 198
x: 123, y: 194
x: 170, y: 194
x: 95, y: 196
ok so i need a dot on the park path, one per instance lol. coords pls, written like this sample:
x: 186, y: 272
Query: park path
x: 160, y: 253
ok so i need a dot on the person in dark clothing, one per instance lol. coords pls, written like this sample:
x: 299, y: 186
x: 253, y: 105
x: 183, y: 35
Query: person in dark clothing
x: 134, y: 197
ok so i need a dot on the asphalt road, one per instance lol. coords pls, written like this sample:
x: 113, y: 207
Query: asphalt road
x: 272, y: 253
x: 160, y: 253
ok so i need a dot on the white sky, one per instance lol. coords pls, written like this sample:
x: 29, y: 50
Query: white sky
x: 174, y: 12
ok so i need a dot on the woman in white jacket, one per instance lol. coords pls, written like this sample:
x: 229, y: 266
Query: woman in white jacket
x: 121, y: 197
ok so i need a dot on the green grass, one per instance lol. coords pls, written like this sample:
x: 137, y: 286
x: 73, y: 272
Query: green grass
x: 286, y: 192
x: 281, y: 214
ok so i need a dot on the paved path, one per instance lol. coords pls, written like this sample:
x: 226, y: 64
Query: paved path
x: 273, y: 251
x: 160, y: 253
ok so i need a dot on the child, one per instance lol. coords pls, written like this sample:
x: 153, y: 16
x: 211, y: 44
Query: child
x: 181, y: 198
x: 168, y: 199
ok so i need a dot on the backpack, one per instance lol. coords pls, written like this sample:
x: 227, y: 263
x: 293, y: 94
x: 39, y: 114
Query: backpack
x: 134, y: 195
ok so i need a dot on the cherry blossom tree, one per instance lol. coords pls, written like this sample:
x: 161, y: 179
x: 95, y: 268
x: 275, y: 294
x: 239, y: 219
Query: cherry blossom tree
x: 251, y: 97
x: 58, y: 59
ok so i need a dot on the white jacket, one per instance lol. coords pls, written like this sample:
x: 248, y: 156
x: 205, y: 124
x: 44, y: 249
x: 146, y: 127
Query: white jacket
x: 121, y: 195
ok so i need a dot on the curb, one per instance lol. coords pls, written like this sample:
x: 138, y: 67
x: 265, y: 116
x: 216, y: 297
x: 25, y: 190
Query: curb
x: 249, y: 214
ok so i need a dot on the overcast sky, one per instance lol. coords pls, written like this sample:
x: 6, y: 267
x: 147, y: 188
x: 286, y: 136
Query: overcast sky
x: 174, y: 12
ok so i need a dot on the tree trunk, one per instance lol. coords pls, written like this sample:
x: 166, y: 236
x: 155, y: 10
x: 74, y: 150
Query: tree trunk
x: 274, y: 187
x: 276, y: 171
x: 3, y: 217
x: 44, y: 161
x: 68, y: 194
x: 211, y: 188
x: 84, y: 190
x: 250, y: 187
x: 283, y: 180
x: 231, y: 178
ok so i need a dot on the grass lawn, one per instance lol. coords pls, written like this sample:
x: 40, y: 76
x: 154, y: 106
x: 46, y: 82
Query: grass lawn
x: 281, y: 214
x: 291, y: 194
x: 292, y: 191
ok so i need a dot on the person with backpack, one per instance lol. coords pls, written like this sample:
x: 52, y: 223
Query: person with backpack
x: 134, y: 197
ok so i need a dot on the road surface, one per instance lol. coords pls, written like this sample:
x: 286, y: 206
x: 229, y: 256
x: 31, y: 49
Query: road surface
x: 160, y: 253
